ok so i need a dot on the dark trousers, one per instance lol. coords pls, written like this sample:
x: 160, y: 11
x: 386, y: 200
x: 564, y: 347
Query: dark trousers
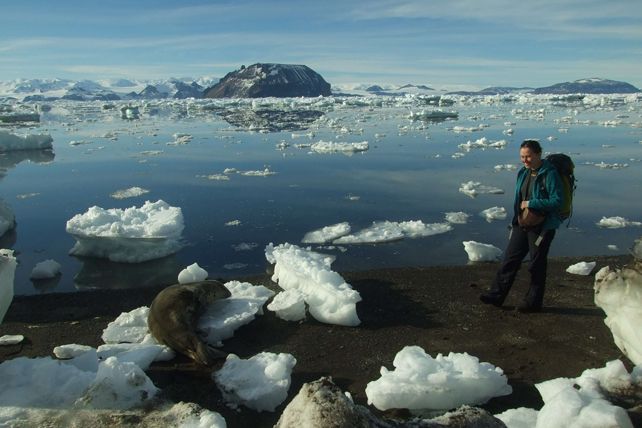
x: 521, y: 242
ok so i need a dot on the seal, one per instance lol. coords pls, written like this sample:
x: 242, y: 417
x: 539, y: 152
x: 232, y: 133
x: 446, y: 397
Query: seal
x: 174, y: 314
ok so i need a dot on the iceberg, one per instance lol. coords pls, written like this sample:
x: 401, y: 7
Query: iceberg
x: 10, y: 142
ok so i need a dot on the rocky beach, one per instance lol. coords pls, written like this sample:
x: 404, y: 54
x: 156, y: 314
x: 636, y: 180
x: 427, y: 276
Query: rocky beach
x: 436, y: 308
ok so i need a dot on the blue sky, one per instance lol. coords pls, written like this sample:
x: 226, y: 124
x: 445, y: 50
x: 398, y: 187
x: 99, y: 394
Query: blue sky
x: 451, y: 44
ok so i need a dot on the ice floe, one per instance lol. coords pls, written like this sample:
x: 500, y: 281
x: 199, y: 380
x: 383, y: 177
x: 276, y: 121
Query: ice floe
x: 7, y: 218
x: 387, y: 231
x: 458, y: 217
x: 474, y: 188
x: 494, y: 213
x: 334, y: 147
x: 12, y: 142
x: 326, y: 234
x: 130, y: 192
x: 483, y: 143
x: 131, y: 235
x: 617, y: 222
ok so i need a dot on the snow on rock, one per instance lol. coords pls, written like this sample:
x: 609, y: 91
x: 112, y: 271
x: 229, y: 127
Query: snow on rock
x: 617, y: 222
x: 619, y: 293
x: 8, y: 265
x: 11, y: 142
x: 330, y: 299
x: 288, y: 305
x: 479, y: 252
x: 192, y: 273
x: 45, y: 269
x: 420, y: 382
x: 131, y: 235
x: 326, y: 234
x: 260, y: 382
x: 494, y: 213
x: 224, y: 316
x: 474, y: 188
x: 387, y: 231
x: 581, y: 268
x: 7, y: 218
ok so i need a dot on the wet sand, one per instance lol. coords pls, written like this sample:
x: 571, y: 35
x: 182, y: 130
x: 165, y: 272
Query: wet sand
x: 437, y: 308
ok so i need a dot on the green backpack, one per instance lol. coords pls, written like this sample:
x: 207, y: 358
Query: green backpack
x: 565, y: 167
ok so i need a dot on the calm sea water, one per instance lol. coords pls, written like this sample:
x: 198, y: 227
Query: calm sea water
x: 409, y: 173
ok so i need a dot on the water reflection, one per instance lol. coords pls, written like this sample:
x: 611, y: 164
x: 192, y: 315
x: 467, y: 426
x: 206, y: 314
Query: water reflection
x: 98, y: 273
x: 46, y: 284
x: 9, y: 160
x: 271, y: 120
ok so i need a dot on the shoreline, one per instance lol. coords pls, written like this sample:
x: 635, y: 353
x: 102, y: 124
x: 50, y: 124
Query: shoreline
x: 436, y: 307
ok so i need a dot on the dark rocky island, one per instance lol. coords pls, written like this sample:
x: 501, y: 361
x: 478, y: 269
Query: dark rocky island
x: 589, y: 86
x: 270, y: 80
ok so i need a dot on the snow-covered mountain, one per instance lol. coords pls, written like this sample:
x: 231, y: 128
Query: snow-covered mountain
x: 104, y: 90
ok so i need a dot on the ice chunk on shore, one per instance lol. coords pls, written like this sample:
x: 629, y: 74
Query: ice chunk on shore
x: 11, y: 339
x: 330, y: 299
x: 420, y: 382
x: 11, y: 142
x: 569, y: 402
x: 326, y: 234
x: 521, y: 417
x: 617, y: 222
x: 260, y: 382
x: 7, y: 218
x: 131, y: 235
x: 474, y: 188
x: 581, y: 268
x: 223, y: 317
x: 479, y: 252
x: 128, y: 327
x: 192, y: 273
x: 387, y: 231
x: 45, y: 269
x: 288, y: 305
x: 7, y: 272
x: 49, y: 383
x: 619, y: 293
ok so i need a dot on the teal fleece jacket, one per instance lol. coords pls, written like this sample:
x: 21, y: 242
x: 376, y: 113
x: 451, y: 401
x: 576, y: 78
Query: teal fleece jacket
x: 547, y: 194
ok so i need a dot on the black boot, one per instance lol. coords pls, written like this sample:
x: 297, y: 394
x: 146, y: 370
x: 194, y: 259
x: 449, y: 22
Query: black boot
x: 495, y: 298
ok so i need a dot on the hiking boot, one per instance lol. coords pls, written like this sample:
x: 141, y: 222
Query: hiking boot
x: 493, y: 298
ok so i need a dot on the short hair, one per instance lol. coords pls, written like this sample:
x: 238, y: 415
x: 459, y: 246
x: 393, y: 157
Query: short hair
x: 533, y: 145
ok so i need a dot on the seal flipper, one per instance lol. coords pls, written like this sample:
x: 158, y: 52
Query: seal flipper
x: 203, y: 353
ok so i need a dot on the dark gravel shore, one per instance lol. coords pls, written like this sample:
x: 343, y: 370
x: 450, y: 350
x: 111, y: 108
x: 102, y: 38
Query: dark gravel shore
x: 437, y: 308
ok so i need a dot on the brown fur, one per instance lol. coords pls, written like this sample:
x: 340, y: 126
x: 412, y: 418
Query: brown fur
x: 174, y: 314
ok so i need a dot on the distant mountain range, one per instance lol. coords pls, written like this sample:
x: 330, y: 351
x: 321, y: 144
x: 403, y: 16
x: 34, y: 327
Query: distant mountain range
x: 260, y: 80
x: 593, y: 85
